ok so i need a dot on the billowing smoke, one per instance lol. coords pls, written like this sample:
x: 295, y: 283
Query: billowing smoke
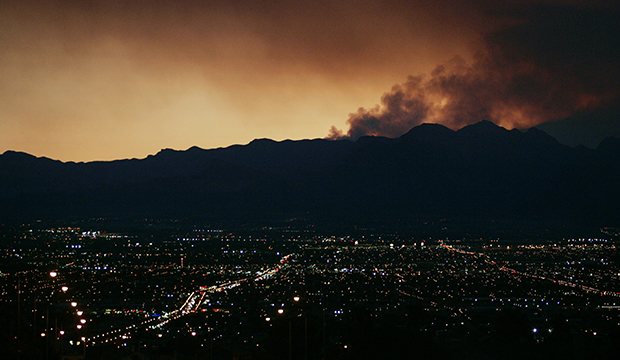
x: 546, y: 64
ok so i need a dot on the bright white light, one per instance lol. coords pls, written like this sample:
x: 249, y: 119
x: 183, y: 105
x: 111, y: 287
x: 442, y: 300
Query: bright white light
x: 83, y: 321
x: 80, y: 312
x: 280, y: 311
x: 64, y: 288
x: 53, y: 273
x: 79, y: 326
x: 296, y: 298
x: 73, y: 303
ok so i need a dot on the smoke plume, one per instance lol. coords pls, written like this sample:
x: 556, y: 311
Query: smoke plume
x: 543, y: 64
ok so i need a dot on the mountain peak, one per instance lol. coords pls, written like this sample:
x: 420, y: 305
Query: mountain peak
x: 541, y: 136
x: 13, y: 153
x: 428, y: 133
x: 484, y: 126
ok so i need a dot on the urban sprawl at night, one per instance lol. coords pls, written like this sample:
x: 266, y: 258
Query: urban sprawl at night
x: 297, y: 293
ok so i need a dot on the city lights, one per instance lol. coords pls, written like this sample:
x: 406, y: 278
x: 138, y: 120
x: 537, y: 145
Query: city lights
x: 453, y: 289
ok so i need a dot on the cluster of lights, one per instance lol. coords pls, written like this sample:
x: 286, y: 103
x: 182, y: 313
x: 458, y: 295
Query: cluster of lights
x: 123, y: 336
x: 160, y: 322
x: 64, y: 289
x: 480, y: 258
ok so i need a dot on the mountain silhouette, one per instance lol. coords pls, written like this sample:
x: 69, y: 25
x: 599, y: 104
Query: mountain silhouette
x: 481, y: 171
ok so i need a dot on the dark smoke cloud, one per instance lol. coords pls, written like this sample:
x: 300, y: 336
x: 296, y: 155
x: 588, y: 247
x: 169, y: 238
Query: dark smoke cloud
x: 547, y: 64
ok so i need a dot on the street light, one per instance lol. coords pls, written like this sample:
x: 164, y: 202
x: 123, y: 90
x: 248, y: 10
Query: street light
x: 83, y: 343
x: 53, y: 275
x: 64, y: 288
x: 290, y: 348
x: 73, y: 303
x: 296, y: 298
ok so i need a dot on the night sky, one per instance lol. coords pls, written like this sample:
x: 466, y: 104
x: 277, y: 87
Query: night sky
x: 101, y: 80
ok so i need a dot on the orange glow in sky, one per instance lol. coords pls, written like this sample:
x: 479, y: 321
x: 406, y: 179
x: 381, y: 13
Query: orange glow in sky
x: 102, y: 80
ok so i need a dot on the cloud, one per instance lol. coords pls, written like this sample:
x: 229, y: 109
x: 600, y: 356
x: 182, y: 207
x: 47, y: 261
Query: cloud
x: 543, y: 64
x: 209, y: 73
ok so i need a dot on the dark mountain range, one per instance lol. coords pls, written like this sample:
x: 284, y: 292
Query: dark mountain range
x: 481, y: 171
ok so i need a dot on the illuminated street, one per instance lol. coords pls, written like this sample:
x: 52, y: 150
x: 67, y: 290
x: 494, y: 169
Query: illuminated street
x: 222, y: 295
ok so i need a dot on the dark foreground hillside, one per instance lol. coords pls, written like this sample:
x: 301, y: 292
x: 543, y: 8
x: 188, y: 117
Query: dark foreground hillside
x: 479, y: 172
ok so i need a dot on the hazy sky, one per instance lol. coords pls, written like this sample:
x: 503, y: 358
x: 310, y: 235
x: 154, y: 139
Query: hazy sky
x: 98, y: 80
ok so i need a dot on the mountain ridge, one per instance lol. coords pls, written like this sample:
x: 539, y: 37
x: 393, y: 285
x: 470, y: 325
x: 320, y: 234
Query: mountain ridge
x: 482, y: 170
